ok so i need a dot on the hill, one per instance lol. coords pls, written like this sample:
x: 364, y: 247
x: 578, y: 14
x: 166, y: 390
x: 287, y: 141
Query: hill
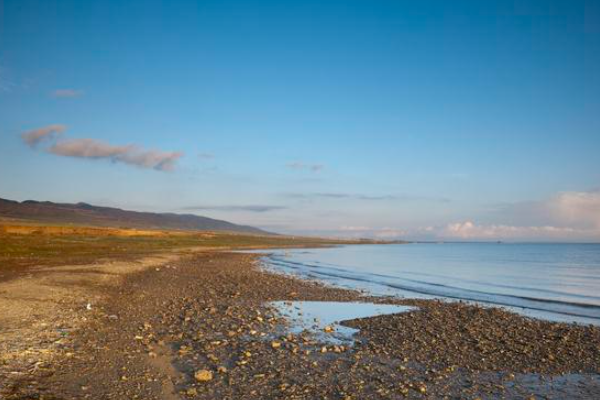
x: 87, y: 214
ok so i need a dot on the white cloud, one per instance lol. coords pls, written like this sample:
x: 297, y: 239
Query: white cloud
x: 468, y: 230
x: 128, y: 154
x: 564, y: 216
x: 96, y: 149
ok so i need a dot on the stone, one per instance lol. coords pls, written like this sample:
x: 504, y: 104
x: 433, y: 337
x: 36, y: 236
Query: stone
x: 203, y: 375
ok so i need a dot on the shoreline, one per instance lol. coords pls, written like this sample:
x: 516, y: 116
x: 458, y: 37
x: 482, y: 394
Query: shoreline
x: 475, y: 282
x: 152, y: 326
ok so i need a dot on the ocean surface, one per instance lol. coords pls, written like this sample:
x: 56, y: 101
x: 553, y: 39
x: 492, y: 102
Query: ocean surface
x: 559, y: 282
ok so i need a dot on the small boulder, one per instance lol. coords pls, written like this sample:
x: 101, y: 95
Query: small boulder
x: 203, y: 375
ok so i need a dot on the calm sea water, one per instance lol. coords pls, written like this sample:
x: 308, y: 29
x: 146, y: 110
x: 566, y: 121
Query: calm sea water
x: 558, y: 282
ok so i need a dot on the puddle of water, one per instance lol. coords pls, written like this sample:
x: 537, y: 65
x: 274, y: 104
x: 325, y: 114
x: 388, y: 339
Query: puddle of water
x: 322, y: 318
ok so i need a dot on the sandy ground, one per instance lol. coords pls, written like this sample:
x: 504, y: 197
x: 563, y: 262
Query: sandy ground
x: 40, y: 310
x: 198, y: 325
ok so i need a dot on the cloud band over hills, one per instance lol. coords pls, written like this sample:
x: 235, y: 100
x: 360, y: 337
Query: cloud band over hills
x: 95, y: 149
x: 257, y: 208
x: 572, y: 216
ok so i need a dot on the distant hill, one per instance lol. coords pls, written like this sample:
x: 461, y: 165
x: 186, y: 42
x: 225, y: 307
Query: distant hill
x: 86, y: 214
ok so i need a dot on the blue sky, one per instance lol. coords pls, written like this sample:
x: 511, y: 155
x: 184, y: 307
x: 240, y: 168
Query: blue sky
x: 428, y: 119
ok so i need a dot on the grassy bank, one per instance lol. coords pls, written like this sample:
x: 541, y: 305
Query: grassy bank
x: 28, y: 245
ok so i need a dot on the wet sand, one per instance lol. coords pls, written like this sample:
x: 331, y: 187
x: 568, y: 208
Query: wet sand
x: 200, y: 326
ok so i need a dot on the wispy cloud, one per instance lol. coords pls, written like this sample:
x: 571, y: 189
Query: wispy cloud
x: 128, y: 154
x: 247, y: 208
x: 50, y: 132
x: 353, y: 196
x: 11, y: 82
x: 378, y: 233
x: 95, y: 149
x: 67, y: 93
x: 206, y: 156
x: 6, y: 84
x: 297, y: 165
x: 365, y: 197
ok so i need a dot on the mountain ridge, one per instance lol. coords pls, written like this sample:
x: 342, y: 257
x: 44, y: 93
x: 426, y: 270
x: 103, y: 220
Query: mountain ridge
x: 88, y: 214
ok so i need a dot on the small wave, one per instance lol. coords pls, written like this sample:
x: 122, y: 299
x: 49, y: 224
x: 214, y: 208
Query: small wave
x: 576, y: 309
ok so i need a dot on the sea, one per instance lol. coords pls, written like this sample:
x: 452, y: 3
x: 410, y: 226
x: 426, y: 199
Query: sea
x: 557, y: 282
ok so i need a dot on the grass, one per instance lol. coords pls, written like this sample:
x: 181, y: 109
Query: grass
x: 26, y: 246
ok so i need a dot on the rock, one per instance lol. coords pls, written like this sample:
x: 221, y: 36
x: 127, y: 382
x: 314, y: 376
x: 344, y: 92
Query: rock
x: 275, y: 344
x: 203, y: 375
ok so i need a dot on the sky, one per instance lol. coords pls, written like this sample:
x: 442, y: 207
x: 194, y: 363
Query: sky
x: 421, y: 120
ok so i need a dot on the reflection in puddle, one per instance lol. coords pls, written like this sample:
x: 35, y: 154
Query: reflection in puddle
x: 322, y: 318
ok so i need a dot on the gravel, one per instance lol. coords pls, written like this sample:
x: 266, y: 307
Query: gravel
x: 202, y: 329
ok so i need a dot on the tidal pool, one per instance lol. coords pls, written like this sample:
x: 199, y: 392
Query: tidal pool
x: 323, y: 318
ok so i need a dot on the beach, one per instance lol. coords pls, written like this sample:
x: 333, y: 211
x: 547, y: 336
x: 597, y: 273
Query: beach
x: 316, y: 200
x: 201, y: 324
